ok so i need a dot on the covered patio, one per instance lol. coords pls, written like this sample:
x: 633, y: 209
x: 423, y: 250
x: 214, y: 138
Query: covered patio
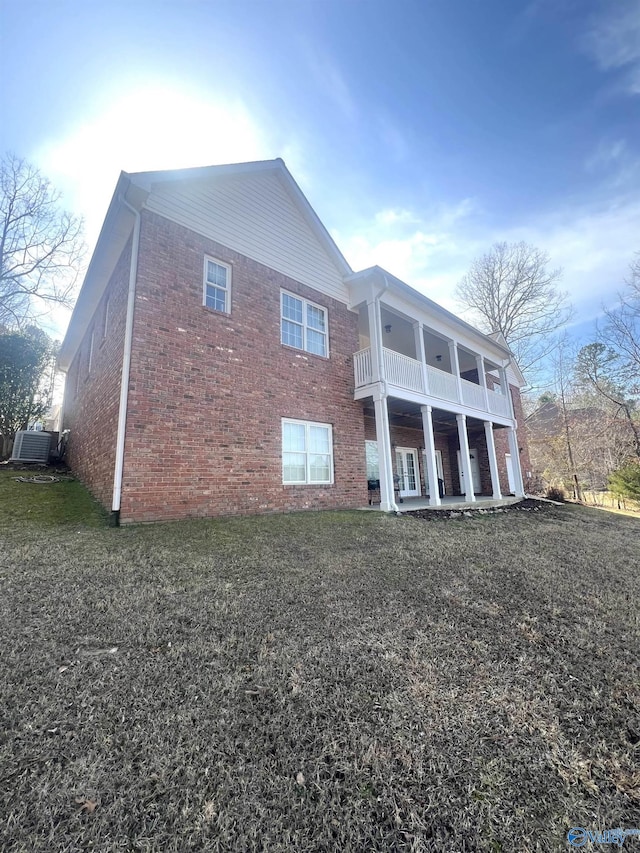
x: 462, y: 456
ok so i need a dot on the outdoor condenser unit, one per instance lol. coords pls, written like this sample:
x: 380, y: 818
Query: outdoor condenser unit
x: 31, y: 446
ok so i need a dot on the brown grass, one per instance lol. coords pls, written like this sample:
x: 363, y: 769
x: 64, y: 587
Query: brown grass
x: 319, y: 682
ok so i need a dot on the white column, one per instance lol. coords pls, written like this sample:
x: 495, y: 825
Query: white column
x: 504, y: 384
x: 515, y: 462
x: 463, y: 441
x: 493, y: 461
x: 430, y: 455
x: 482, y: 379
x: 455, y: 366
x: 420, y: 354
x: 385, y: 463
x: 374, y: 340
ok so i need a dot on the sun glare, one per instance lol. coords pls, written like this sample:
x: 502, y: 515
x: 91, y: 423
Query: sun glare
x: 156, y: 126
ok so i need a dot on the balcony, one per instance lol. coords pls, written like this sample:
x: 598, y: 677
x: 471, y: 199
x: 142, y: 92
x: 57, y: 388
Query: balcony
x: 407, y: 374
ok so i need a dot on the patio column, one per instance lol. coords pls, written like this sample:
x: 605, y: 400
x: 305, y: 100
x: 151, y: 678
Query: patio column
x: 420, y: 354
x: 455, y: 366
x: 482, y: 379
x: 493, y: 461
x: 430, y: 455
x: 463, y: 441
x: 375, y: 340
x: 515, y: 462
x: 383, y: 437
x: 504, y: 384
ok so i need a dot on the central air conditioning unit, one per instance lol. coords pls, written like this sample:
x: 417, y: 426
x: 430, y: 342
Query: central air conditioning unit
x: 31, y: 446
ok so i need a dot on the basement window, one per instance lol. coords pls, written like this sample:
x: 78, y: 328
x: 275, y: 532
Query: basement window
x: 307, y: 453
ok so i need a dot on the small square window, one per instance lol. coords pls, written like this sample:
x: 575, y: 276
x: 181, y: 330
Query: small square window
x: 217, y: 286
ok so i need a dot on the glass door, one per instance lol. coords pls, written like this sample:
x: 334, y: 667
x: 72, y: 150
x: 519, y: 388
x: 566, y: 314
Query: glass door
x: 407, y: 472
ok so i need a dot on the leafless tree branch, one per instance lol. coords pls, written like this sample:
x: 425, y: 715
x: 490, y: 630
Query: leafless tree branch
x: 41, y: 246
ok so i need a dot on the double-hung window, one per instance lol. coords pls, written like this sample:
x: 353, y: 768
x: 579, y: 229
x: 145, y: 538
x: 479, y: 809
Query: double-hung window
x: 303, y: 325
x: 307, y: 452
x: 217, y: 286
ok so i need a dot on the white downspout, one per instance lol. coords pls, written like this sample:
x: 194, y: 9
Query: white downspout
x: 126, y: 364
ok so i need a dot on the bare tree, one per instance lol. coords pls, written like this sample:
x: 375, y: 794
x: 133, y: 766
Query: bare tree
x: 41, y: 246
x: 510, y: 290
x: 622, y: 329
x: 26, y: 367
x: 602, y: 369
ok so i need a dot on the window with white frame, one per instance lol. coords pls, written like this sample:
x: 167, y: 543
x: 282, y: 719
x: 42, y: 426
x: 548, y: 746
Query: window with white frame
x: 217, y: 286
x: 105, y: 320
x: 303, y: 325
x: 307, y: 452
x: 91, y: 343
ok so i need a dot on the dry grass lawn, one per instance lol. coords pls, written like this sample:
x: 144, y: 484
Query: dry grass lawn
x: 315, y: 682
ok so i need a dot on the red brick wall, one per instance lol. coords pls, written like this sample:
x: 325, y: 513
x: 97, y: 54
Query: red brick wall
x: 91, y: 399
x: 208, y: 390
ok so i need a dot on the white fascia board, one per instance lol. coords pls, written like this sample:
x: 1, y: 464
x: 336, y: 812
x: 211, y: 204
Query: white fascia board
x: 146, y: 180
x: 115, y: 232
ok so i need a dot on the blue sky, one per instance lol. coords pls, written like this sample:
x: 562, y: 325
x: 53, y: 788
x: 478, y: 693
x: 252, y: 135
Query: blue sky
x: 422, y: 131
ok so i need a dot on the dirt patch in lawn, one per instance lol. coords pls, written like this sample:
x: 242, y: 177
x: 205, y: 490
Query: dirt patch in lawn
x: 319, y: 682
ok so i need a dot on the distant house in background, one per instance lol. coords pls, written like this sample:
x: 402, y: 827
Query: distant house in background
x: 223, y: 358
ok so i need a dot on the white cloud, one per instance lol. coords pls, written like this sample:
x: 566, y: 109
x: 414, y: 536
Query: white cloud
x: 330, y: 80
x: 592, y: 244
x: 427, y: 250
x: 613, y: 40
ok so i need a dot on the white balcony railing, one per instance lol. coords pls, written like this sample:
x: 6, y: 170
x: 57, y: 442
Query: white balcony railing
x: 498, y: 404
x: 362, y: 367
x: 403, y: 371
x: 473, y: 395
x: 406, y: 373
x: 442, y: 385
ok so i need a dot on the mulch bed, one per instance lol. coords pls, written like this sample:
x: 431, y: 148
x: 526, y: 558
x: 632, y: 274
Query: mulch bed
x: 526, y: 505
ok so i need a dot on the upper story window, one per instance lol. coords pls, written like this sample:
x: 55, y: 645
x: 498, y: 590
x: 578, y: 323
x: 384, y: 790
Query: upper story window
x: 217, y: 286
x: 303, y: 325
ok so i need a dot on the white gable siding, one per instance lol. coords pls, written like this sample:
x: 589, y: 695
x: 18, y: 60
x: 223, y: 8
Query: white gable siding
x: 512, y: 378
x: 254, y: 215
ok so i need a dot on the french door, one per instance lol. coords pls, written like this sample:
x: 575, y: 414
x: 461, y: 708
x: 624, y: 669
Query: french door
x: 407, y: 472
x: 475, y: 472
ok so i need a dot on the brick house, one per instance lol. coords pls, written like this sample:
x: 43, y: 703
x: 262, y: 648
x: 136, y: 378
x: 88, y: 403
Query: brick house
x: 224, y: 359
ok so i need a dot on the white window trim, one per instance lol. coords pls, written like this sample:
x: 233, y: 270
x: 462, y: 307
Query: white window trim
x: 91, y: 345
x: 308, y: 481
x: 205, y: 283
x: 305, y: 302
x: 105, y: 321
